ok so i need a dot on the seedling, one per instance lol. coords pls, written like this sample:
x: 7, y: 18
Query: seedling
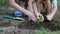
x: 40, y: 20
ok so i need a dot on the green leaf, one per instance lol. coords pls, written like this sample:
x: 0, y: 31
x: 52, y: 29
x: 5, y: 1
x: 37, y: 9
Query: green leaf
x: 40, y: 20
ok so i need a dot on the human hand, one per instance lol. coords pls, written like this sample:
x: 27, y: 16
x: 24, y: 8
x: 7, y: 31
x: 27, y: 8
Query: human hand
x: 49, y: 17
x: 38, y: 15
x: 32, y: 17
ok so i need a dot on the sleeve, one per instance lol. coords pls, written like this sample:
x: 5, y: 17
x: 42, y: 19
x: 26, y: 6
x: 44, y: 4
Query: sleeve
x: 54, y: 2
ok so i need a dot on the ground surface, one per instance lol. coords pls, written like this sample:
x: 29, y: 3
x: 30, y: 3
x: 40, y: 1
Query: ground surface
x: 10, y: 26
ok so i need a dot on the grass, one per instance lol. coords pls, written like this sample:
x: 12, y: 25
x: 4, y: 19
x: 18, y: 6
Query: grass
x: 46, y: 31
x: 58, y: 2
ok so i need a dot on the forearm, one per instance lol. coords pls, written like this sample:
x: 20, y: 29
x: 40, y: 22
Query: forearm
x: 30, y: 6
x: 48, y: 6
x: 35, y: 8
x: 54, y: 9
x: 14, y: 4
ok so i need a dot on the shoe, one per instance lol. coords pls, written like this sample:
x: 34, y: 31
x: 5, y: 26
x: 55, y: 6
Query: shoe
x: 18, y: 13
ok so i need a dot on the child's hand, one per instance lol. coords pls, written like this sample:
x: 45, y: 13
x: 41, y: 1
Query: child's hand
x: 38, y: 15
x: 49, y: 17
x: 32, y: 17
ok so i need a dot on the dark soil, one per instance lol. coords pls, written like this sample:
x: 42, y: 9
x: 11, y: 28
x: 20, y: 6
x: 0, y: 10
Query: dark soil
x: 32, y: 25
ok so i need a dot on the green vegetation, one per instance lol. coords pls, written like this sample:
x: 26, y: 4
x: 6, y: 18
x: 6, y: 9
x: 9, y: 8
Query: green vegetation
x: 46, y: 31
x: 2, y: 1
x: 40, y: 20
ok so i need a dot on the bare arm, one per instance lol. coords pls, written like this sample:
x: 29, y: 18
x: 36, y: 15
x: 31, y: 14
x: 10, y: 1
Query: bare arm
x: 14, y: 4
x: 49, y: 6
x: 30, y: 5
x: 30, y: 14
x: 53, y: 11
x: 54, y: 8
x: 35, y: 8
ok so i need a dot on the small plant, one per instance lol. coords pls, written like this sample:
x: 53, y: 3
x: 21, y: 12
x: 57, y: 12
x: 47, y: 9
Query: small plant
x: 40, y: 20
